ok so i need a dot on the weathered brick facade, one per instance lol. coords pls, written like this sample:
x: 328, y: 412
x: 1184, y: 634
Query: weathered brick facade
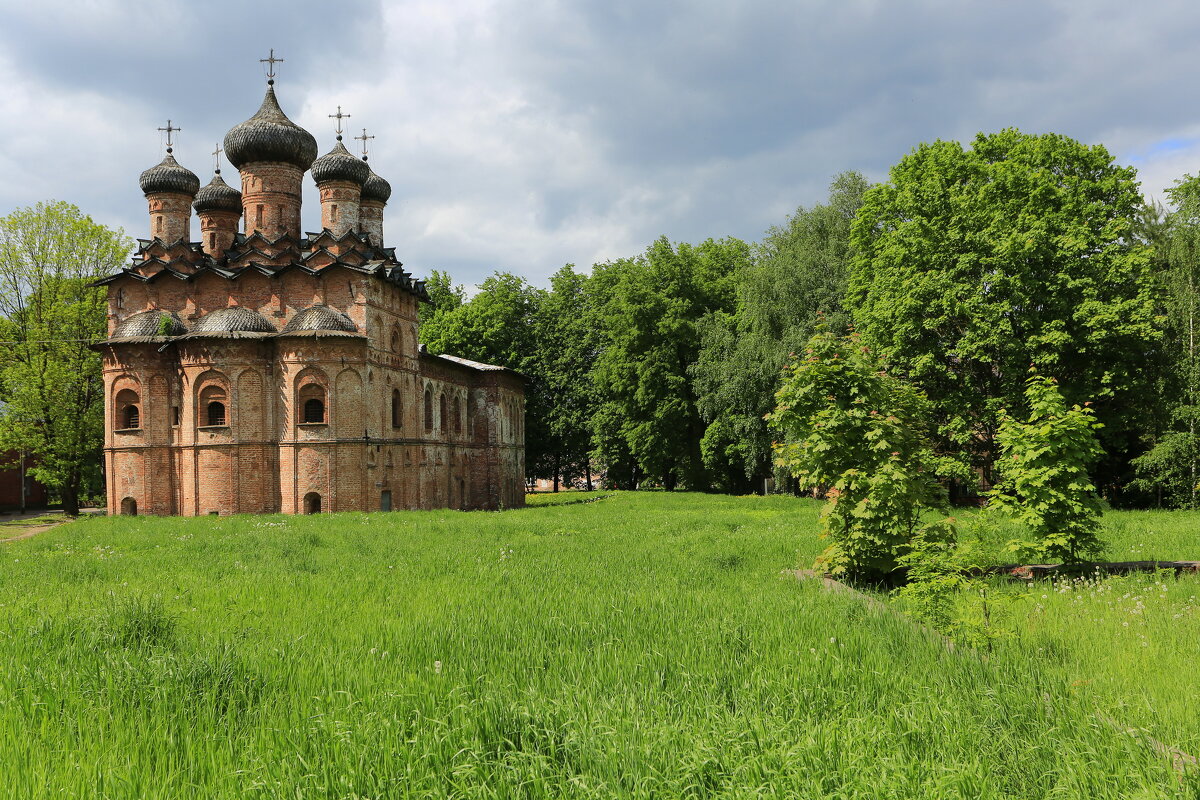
x: 269, y: 371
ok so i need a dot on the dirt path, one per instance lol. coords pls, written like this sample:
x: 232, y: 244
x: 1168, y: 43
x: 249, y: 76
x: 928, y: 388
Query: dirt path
x: 33, y: 531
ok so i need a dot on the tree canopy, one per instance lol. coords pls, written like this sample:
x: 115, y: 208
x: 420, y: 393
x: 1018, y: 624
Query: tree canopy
x: 972, y: 263
x: 50, y: 314
x: 796, y: 276
x: 649, y: 309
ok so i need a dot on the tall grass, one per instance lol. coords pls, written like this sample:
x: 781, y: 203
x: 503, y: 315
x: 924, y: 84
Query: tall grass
x: 638, y: 646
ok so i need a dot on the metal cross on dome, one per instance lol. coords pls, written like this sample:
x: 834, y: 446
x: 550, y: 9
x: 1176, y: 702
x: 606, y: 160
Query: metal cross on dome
x: 339, y: 116
x: 216, y: 154
x: 364, y: 139
x: 170, y: 129
x: 271, y: 61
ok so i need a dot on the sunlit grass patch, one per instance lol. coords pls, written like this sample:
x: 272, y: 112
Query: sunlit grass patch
x: 647, y: 645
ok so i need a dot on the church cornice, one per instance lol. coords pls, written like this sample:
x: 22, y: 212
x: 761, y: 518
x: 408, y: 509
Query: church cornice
x: 391, y: 273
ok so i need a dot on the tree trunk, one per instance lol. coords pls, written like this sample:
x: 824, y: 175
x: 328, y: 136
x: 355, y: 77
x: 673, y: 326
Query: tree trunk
x: 587, y: 470
x: 557, y: 466
x: 70, y: 494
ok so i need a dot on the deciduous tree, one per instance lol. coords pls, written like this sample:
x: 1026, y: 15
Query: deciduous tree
x: 1170, y: 469
x: 50, y: 314
x: 796, y: 275
x: 568, y: 342
x: 650, y: 308
x: 851, y: 430
x: 972, y: 263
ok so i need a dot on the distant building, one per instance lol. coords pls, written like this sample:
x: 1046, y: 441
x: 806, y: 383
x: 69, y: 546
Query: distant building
x: 265, y: 370
x: 12, y: 475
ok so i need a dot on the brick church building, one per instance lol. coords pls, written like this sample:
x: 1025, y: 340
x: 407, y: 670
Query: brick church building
x: 262, y: 369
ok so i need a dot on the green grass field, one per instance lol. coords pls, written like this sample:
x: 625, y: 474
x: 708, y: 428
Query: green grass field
x: 642, y: 645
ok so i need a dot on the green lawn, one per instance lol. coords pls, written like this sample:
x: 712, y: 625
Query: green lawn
x: 643, y: 645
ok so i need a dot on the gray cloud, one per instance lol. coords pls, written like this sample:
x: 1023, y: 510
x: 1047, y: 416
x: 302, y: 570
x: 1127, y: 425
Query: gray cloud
x: 522, y: 135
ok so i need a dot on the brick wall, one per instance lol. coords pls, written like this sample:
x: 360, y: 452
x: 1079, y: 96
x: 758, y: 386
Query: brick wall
x: 264, y: 458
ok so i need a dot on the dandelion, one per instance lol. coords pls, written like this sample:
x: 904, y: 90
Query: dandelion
x: 437, y: 668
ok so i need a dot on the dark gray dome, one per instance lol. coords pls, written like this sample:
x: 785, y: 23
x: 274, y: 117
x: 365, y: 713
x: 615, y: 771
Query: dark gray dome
x: 150, y: 323
x: 376, y: 188
x: 169, y: 176
x: 234, y: 318
x: 320, y: 318
x: 339, y: 165
x: 218, y: 196
x: 270, y: 136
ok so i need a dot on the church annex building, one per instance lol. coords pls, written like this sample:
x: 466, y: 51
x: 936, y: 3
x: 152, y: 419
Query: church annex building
x: 265, y: 370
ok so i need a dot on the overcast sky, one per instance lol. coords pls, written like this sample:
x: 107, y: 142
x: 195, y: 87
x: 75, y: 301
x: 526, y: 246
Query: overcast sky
x: 525, y: 134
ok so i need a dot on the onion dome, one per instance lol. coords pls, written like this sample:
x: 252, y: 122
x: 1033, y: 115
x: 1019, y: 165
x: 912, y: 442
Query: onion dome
x: 218, y: 196
x: 339, y: 165
x: 150, y: 323
x: 320, y: 318
x: 270, y: 136
x: 234, y: 318
x: 169, y: 176
x: 376, y: 188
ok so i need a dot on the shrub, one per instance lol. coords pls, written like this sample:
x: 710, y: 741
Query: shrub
x: 857, y: 434
x: 1044, y: 484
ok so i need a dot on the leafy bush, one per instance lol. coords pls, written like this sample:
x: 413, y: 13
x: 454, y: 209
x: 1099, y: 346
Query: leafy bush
x: 1044, y: 475
x: 857, y: 434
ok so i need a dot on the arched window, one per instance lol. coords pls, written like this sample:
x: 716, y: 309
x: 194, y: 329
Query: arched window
x: 312, y: 403
x: 428, y: 411
x: 312, y: 503
x: 397, y: 341
x: 397, y: 410
x: 128, y: 411
x: 457, y: 416
x: 443, y: 418
x: 212, y: 406
x: 314, y: 410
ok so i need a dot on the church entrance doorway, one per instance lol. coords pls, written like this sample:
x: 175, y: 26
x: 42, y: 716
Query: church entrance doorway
x: 385, y: 501
x: 312, y: 503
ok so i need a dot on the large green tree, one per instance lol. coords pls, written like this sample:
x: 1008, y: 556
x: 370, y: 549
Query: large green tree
x: 50, y: 314
x: 568, y: 343
x: 647, y: 425
x: 444, y: 295
x: 796, y: 277
x: 972, y: 263
x: 1170, y: 469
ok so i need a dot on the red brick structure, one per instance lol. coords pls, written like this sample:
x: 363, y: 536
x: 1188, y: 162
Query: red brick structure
x: 11, y: 475
x: 265, y: 370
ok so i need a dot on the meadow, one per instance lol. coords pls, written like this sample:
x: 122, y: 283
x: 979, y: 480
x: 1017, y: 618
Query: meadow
x: 641, y: 645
